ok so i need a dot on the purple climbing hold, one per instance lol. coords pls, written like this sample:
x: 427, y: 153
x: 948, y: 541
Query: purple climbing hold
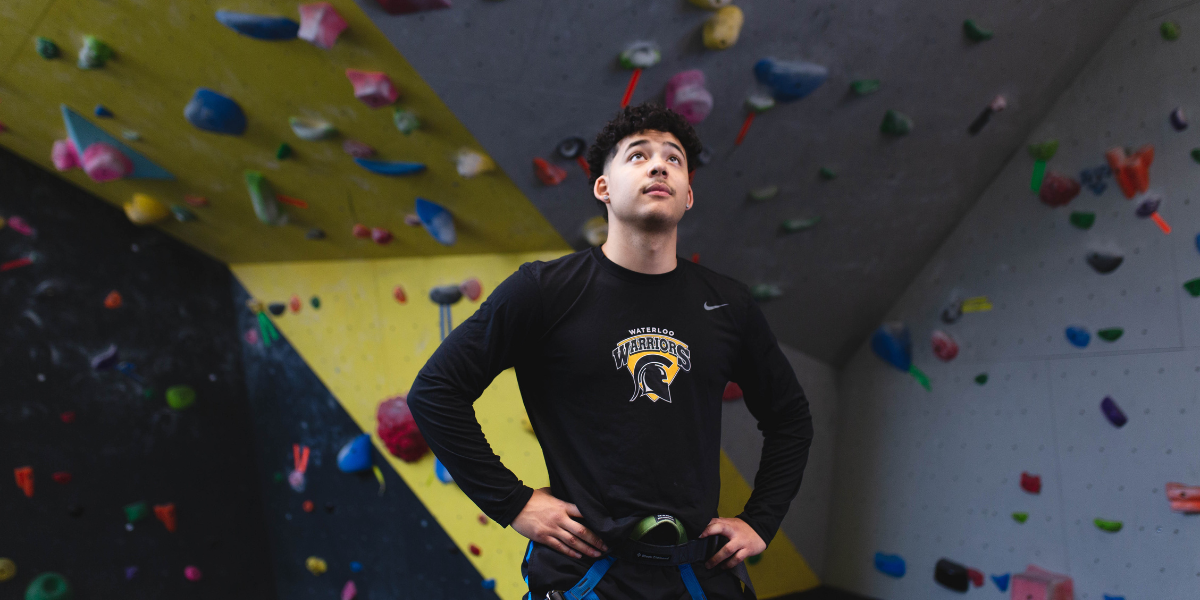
x: 1112, y: 412
x: 1148, y: 206
x: 1178, y: 120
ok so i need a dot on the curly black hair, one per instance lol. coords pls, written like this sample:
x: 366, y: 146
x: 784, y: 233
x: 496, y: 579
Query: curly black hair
x: 633, y: 119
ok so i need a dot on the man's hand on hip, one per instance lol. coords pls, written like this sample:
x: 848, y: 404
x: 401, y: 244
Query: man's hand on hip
x: 743, y: 542
x: 547, y: 520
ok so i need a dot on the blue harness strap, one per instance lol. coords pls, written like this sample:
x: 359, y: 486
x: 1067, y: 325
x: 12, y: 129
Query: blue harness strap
x: 583, y: 589
x: 690, y: 581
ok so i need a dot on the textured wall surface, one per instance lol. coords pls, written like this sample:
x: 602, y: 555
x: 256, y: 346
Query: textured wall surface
x: 936, y: 474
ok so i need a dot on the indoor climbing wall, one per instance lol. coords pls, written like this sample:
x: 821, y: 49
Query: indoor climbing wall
x: 1051, y: 437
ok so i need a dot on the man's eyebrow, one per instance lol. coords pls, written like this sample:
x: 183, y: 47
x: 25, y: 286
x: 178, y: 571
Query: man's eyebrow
x: 646, y: 141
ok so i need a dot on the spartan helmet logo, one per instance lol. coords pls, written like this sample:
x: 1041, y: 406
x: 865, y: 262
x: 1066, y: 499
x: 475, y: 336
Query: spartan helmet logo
x: 653, y: 361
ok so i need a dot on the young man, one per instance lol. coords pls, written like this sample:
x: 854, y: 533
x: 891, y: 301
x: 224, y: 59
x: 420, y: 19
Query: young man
x: 622, y: 353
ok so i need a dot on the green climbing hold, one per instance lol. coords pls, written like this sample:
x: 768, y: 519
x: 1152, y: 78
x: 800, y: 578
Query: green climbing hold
x: 862, y: 87
x: 283, y: 151
x: 764, y: 193
x: 827, y: 174
x: 1169, y: 30
x: 981, y: 378
x: 1083, y: 220
x: 94, y: 53
x: 753, y: 560
x: 974, y: 32
x: 794, y: 225
x: 49, y: 586
x: 1196, y: 154
x: 1111, y: 334
x: 148, y: 393
x: 765, y: 291
x: 47, y: 48
x: 1044, y: 151
x: 136, y: 512
x: 1192, y: 287
x: 316, y: 302
x: 180, y: 397
x: 1109, y: 526
x: 277, y: 477
x: 406, y: 120
x: 896, y: 123
x: 1020, y: 517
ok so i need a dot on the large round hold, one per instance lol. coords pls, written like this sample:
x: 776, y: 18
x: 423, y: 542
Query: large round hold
x: 445, y: 294
x: 355, y: 456
x: 49, y: 586
x: 8, y: 569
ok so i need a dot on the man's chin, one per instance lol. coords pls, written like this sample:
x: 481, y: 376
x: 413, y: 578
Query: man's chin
x: 651, y: 221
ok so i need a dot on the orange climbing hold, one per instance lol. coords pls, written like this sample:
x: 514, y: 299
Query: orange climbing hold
x: 307, y: 505
x: 1184, y: 498
x: 166, y: 514
x: 294, y: 303
x: 24, y: 477
x: 398, y: 294
x: 113, y: 300
x: 1132, y: 171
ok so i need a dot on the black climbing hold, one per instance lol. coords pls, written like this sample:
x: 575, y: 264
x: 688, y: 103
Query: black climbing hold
x: 277, y: 308
x: 315, y: 233
x: 952, y: 575
x: 329, y: 507
x: 1104, y: 263
x: 445, y: 294
x: 572, y: 147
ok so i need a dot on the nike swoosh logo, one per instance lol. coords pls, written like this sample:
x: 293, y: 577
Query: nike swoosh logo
x: 707, y: 307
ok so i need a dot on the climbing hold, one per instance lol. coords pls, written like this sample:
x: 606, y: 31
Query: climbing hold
x: 24, y: 478
x: 316, y: 233
x: 294, y: 304
x: 180, y: 397
x: 1148, y: 206
x: 64, y: 155
x: 311, y: 129
x: 182, y: 214
x: 67, y: 417
x: 1001, y: 581
x: 49, y: 586
x: 104, y: 162
x: 732, y: 392
x: 398, y: 431
x: 1078, y: 336
x: 1178, y: 120
x: 307, y: 506
x: 1095, y: 179
x: 406, y: 120
x: 398, y: 294
x: 61, y: 477
x: 46, y: 48
x: 471, y: 288
x: 1183, y: 498
x: 315, y: 302
x: 355, y: 456
x: 1083, y: 220
x: 113, y: 300
x: 974, y: 32
x: 574, y: 148
x: 595, y: 231
x: 1104, y: 262
x: 794, y: 225
x: 83, y: 134
x: 380, y: 236
x: 765, y: 291
x: 1112, y: 412
x: 144, y: 210
x: 440, y: 471
x: 547, y: 173
x: 1131, y: 170
x: 403, y: 7
x: 892, y: 343
x: 1043, y: 151
x: 101, y: 111
x: 889, y: 564
x: 944, y: 346
x: 722, y: 29
x: 136, y: 512
x: 8, y: 569
x: 259, y: 27
x: 1020, y: 517
x: 976, y: 577
x: 827, y: 174
x: 349, y: 591
x: 373, y: 88
x: 687, y: 95
x: 166, y: 514
x: 445, y: 294
x: 953, y: 312
x: 640, y: 55
x: 951, y: 575
x: 981, y: 378
x: 357, y: 149
x: 360, y: 231
x: 764, y: 193
x: 1192, y: 286
x: 391, y: 168
x: 1110, y: 334
x: 131, y: 135
x: 130, y: 572
x: 976, y: 304
x: 789, y: 80
x: 196, y: 201
x: 1058, y: 189
x: 896, y: 123
x: 470, y: 163
x: 211, y: 111
x: 1109, y: 526
x: 94, y: 53
x: 864, y: 87
x: 437, y: 221
x: 192, y: 573
x: 262, y: 197
x: 488, y: 584
x: 282, y: 151
x: 1169, y: 30
x: 106, y: 359
x: 1031, y: 483
x: 277, y: 308
x: 997, y: 104
x: 320, y: 24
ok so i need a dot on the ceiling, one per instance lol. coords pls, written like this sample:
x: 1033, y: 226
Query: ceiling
x: 522, y: 75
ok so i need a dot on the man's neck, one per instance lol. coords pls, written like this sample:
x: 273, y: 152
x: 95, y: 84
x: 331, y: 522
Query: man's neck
x: 652, y: 253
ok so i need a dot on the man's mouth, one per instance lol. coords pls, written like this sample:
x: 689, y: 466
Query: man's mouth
x: 658, y: 189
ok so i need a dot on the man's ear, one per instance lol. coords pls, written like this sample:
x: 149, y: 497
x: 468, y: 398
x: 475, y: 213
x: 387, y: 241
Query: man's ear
x: 600, y: 189
x: 690, y: 199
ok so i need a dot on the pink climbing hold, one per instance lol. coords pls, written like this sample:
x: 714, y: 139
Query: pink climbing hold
x: 192, y: 573
x: 380, y: 235
x: 472, y: 289
x: 349, y: 591
x: 64, y: 155
x: 687, y: 96
x: 320, y: 24
x: 375, y: 89
x: 357, y: 149
x: 944, y: 346
x: 398, y: 430
x: 20, y: 226
x: 412, y: 220
x: 103, y: 162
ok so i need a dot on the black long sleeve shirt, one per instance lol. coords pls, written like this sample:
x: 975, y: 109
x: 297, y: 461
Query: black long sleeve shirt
x: 621, y: 374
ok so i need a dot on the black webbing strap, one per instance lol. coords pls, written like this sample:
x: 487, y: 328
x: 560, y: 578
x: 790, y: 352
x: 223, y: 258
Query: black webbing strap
x: 673, y: 556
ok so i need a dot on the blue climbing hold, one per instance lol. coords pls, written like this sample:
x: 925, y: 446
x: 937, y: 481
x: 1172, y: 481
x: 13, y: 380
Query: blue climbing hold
x: 889, y: 564
x: 387, y: 167
x: 488, y: 584
x: 211, y: 111
x: 1107, y: 597
x: 356, y: 566
x: 1078, y: 336
x: 437, y: 221
x: 259, y: 27
x: 1001, y: 581
x: 1198, y: 242
x: 83, y: 134
x: 355, y: 456
x: 101, y: 111
x: 440, y: 470
x: 790, y: 80
x: 892, y: 343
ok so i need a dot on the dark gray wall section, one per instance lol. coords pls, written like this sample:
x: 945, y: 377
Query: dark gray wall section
x: 177, y: 327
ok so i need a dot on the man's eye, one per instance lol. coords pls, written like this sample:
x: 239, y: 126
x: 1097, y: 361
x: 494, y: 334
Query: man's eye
x: 675, y: 158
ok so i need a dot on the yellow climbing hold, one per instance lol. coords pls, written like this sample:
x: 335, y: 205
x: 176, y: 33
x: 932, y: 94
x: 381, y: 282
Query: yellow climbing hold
x: 976, y: 304
x: 316, y: 565
x: 144, y: 210
x: 722, y: 29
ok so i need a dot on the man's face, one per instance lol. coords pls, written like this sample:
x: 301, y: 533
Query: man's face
x: 646, y: 182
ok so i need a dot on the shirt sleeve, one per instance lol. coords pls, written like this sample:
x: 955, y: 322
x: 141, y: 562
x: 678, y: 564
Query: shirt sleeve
x: 442, y: 397
x: 777, y: 402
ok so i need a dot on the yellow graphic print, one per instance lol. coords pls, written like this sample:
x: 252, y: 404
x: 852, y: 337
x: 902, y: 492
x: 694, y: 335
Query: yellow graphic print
x: 653, y: 360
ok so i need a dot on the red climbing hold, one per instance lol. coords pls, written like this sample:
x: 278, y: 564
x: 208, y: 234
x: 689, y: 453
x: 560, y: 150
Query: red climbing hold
x: 67, y: 417
x: 307, y: 505
x: 398, y: 430
x: 113, y: 300
x: 732, y: 392
x: 472, y: 289
x: 475, y: 550
x: 1058, y: 189
x: 1031, y: 483
x: 483, y: 519
x: 24, y: 476
x: 547, y: 173
x: 294, y: 303
x: 1131, y: 170
x: 944, y: 346
x: 398, y: 294
x: 166, y: 514
x: 62, y: 477
x: 360, y: 231
x: 976, y: 577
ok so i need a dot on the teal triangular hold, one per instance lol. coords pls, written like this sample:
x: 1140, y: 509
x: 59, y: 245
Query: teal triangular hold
x: 84, y: 134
